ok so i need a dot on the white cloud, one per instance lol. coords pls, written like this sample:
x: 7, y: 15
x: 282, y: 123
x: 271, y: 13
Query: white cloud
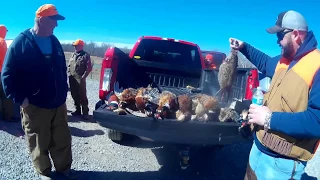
x: 120, y: 45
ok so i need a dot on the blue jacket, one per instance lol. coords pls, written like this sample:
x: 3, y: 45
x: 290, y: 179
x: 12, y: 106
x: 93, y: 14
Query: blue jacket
x: 26, y: 73
x: 301, y: 124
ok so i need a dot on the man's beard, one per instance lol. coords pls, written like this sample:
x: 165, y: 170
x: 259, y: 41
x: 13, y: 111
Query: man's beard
x: 288, y: 51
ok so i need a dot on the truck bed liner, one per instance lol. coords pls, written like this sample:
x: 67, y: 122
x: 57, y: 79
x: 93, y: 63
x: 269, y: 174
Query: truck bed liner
x: 171, y: 131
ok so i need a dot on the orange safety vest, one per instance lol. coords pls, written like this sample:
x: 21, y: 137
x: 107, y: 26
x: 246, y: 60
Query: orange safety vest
x: 289, y: 92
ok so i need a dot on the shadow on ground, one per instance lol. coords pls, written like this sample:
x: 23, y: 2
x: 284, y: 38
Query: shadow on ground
x: 84, y: 133
x: 228, y: 162
x: 80, y: 119
x: 212, y: 162
x: 150, y: 175
x: 13, y: 128
x: 134, y: 141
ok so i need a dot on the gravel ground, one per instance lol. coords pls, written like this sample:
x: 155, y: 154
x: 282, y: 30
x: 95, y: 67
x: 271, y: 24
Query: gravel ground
x: 96, y: 157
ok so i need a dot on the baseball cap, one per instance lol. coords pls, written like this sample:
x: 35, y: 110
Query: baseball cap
x: 49, y: 10
x: 78, y: 42
x: 209, y: 56
x: 289, y: 20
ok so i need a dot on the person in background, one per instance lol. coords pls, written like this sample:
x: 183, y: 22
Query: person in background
x: 34, y: 75
x: 209, y: 61
x: 6, y: 104
x: 286, y: 128
x: 79, y: 68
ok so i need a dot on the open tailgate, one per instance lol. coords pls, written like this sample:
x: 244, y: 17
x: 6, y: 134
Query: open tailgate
x: 171, y: 131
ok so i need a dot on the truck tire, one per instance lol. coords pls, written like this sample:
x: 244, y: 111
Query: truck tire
x: 115, y: 135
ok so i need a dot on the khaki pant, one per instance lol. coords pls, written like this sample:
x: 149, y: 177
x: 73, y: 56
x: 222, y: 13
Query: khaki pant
x: 47, y: 132
x: 6, y: 105
x: 79, y: 94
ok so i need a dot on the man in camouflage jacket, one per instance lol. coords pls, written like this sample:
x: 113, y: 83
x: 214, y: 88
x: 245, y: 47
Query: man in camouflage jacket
x: 79, y: 68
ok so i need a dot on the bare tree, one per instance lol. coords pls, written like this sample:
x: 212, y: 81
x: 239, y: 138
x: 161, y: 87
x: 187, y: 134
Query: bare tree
x: 92, y: 48
x: 99, y: 50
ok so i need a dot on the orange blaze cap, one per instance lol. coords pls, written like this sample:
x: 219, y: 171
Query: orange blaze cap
x: 209, y: 57
x: 49, y: 10
x: 78, y: 42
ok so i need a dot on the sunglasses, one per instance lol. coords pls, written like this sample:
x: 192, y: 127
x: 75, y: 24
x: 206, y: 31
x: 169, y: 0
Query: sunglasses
x: 280, y: 35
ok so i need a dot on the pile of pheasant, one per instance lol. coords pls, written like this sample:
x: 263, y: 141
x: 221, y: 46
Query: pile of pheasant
x: 149, y: 102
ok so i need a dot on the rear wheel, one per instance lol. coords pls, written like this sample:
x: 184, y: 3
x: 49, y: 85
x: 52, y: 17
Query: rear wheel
x: 115, y: 135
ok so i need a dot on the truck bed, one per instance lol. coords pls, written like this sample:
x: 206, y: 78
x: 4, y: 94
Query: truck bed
x: 170, y: 130
x: 172, y: 75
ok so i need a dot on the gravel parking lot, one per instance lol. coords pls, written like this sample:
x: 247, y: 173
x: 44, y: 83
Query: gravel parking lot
x: 96, y: 157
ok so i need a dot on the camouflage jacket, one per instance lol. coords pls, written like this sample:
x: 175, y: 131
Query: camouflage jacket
x: 79, y: 63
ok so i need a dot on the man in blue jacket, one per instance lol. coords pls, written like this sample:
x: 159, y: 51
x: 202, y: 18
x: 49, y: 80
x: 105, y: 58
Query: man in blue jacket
x: 34, y: 75
x: 287, y: 127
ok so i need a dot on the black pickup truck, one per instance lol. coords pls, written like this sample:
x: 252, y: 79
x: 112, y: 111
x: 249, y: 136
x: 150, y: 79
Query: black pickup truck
x: 171, y: 65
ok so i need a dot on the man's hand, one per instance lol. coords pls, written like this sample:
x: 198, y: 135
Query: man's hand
x: 257, y: 114
x: 25, y: 103
x: 235, y: 43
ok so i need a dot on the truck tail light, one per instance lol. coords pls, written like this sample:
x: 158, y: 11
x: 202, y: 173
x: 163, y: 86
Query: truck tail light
x: 108, y: 73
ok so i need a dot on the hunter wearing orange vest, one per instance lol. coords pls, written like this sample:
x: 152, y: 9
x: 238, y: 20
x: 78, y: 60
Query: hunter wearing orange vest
x: 6, y: 104
x: 286, y: 129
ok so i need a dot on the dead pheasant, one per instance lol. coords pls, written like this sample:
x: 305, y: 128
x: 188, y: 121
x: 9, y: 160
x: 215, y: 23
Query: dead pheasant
x: 238, y: 110
x: 167, y: 105
x: 185, y: 108
x: 126, y: 98
x: 228, y: 115
x: 146, y: 100
x: 227, y: 73
x: 205, y: 107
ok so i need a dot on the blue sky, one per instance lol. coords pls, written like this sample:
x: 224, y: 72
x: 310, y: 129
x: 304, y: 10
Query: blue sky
x: 207, y: 23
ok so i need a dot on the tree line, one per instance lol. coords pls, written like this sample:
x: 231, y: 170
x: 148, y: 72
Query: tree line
x: 92, y: 48
x: 98, y: 50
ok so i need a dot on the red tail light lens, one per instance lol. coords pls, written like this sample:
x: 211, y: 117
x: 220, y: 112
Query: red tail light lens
x: 107, y: 73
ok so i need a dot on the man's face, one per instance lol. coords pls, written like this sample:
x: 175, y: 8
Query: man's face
x: 285, y: 41
x: 48, y: 24
x: 78, y: 48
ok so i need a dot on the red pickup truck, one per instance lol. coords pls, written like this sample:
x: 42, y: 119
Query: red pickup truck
x: 169, y: 64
